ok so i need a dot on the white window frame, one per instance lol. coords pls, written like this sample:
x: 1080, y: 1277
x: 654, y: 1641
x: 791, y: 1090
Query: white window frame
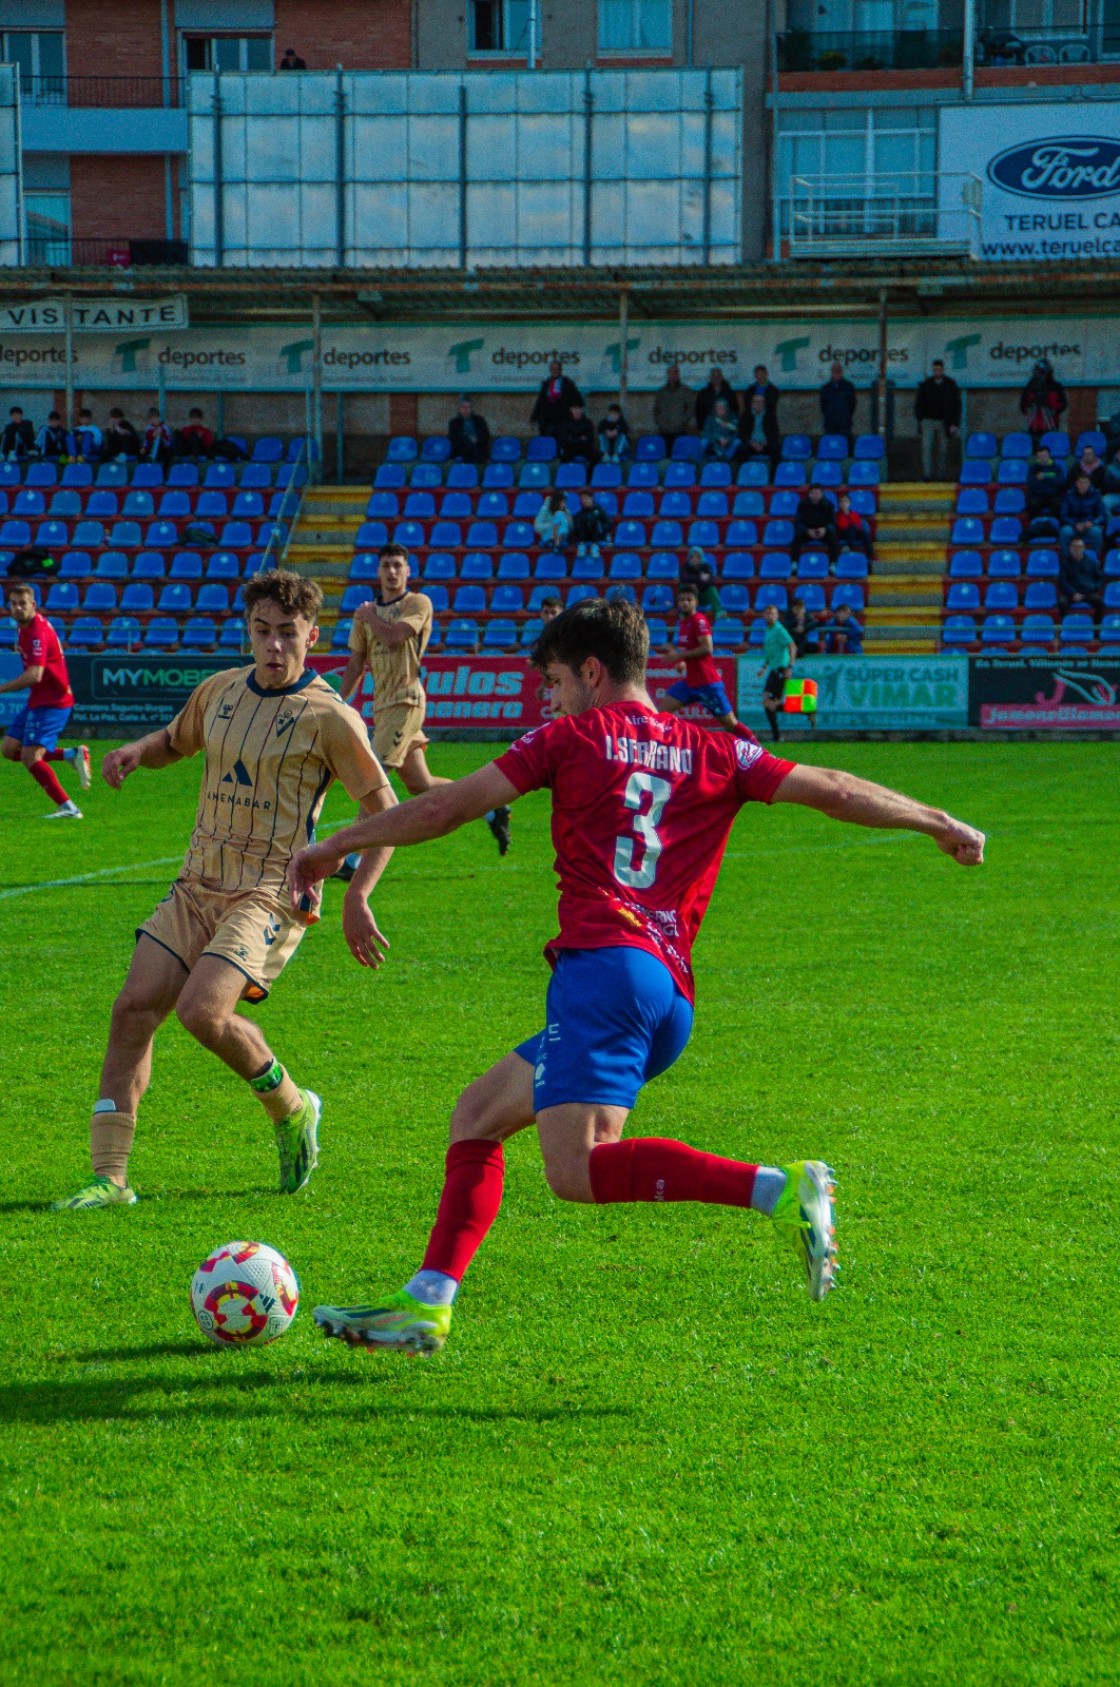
x: 818, y: 133
x: 43, y: 89
x: 634, y: 48
x: 213, y: 35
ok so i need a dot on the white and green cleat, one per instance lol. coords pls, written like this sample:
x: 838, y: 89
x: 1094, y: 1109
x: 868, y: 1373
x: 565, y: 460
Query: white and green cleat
x: 399, y: 1321
x: 98, y: 1192
x: 297, y: 1139
x: 805, y: 1217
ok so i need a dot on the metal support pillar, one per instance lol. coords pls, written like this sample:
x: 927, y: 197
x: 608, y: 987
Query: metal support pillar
x: 463, y: 116
x: 315, y: 467
x: 69, y: 310
x: 709, y: 106
x: 623, y: 352
x: 339, y: 436
x: 340, y: 170
x: 588, y: 141
x: 219, y: 208
x: 883, y: 362
x: 968, y: 56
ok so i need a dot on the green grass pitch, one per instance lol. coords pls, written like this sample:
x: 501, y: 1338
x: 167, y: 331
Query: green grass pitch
x: 644, y: 1456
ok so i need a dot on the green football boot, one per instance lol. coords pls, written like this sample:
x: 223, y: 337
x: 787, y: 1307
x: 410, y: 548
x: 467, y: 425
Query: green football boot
x: 297, y: 1138
x: 98, y: 1192
x: 399, y: 1321
x: 805, y: 1217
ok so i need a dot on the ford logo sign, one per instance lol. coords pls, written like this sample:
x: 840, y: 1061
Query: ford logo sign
x: 1062, y: 167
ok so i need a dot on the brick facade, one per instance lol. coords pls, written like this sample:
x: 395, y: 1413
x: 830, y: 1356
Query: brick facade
x: 117, y: 197
x: 106, y: 40
x: 357, y: 34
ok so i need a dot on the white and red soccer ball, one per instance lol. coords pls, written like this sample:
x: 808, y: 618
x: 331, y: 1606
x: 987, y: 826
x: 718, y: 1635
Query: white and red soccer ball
x: 244, y: 1295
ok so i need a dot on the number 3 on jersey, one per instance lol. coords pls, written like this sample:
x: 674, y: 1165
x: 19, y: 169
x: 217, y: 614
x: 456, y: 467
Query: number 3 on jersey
x: 646, y: 837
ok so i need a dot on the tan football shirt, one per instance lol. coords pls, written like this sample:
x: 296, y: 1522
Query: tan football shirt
x: 396, y: 673
x: 270, y: 756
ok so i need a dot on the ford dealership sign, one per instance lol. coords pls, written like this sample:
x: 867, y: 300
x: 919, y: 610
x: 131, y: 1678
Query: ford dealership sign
x: 1065, y: 167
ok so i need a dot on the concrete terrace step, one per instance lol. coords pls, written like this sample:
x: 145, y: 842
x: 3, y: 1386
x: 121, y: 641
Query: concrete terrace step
x: 925, y: 597
x: 880, y: 614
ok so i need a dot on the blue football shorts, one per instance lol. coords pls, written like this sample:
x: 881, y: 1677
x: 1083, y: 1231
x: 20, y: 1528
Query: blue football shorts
x: 38, y: 726
x: 616, y: 1019
x: 711, y: 697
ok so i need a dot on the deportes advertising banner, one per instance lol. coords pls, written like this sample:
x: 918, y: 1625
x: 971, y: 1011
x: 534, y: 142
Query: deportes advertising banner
x: 488, y: 357
x: 868, y: 694
x: 1045, y: 693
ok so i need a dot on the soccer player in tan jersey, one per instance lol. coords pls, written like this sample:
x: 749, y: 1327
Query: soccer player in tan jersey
x: 388, y: 638
x: 275, y: 735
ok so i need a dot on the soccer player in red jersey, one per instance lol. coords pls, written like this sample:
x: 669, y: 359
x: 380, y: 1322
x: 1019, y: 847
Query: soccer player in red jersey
x: 701, y: 683
x: 642, y: 805
x: 33, y: 735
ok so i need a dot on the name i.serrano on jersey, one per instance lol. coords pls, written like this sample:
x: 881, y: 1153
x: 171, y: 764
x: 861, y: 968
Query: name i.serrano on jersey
x: 638, y: 752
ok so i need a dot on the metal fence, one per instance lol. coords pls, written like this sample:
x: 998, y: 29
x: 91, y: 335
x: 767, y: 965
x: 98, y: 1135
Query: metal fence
x: 371, y: 169
x: 914, y: 214
x: 102, y: 91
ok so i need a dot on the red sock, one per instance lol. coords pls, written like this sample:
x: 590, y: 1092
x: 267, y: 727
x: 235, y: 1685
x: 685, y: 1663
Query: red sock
x: 43, y: 776
x: 472, y: 1194
x: 54, y: 755
x: 653, y: 1168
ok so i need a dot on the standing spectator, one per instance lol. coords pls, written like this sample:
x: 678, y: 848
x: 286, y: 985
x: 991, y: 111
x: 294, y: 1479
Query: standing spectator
x: 156, y: 447
x: 779, y: 654
x: 614, y: 435
x: 592, y: 525
x: 697, y: 571
x: 852, y: 532
x: 1081, y: 580
x: 758, y: 433
x: 715, y: 392
x: 1082, y: 515
x: 674, y: 409
x: 801, y: 627
x: 121, y: 439
x: 721, y: 433
x: 577, y: 440
x: 1046, y: 485
x: 1087, y: 462
x: 469, y: 434
x: 1043, y: 399
x: 85, y: 440
x: 838, y: 404
x: 843, y: 635
x: 18, y: 438
x: 814, y: 525
x: 553, y: 407
x: 764, y: 386
x: 553, y: 523
x: 1111, y: 495
x: 292, y: 60
x: 52, y: 441
x: 938, y: 410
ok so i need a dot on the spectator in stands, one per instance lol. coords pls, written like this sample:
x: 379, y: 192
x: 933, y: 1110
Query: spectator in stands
x: 85, y: 440
x: 52, y: 441
x: 196, y: 439
x: 758, y: 433
x: 938, y: 410
x: 121, y: 439
x: 156, y: 446
x: 578, y: 441
x: 721, y: 433
x: 550, y: 607
x: 1043, y: 399
x: 1081, y: 580
x: 592, y: 525
x: 553, y: 523
x: 801, y: 627
x: 814, y: 525
x: 838, y: 404
x: 1087, y: 462
x: 843, y: 635
x: 1046, y: 485
x: 697, y: 571
x: 715, y: 392
x: 552, y: 410
x: 764, y: 386
x: 469, y: 434
x: 292, y: 60
x: 852, y: 531
x: 1082, y: 515
x: 674, y: 408
x: 1111, y: 495
x: 18, y: 438
x: 614, y: 435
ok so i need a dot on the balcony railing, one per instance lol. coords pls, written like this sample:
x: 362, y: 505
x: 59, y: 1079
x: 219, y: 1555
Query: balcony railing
x: 997, y: 46
x: 112, y: 91
x: 907, y: 49
x: 914, y: 214
x: 56, y: 251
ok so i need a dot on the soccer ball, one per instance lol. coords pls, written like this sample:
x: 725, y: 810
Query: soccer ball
x: 244, y: 1295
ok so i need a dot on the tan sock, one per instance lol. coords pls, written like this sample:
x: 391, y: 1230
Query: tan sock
x: 276, y: 1092
x: 110, y: 1141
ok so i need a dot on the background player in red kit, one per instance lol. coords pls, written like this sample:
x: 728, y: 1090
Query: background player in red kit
x: 642, y: 805
x: 32, y: 737
x: 701, y: 683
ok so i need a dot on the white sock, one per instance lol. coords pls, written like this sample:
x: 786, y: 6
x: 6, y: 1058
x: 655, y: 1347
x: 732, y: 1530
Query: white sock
x: 434, y: 1288
x: 769, y: 1181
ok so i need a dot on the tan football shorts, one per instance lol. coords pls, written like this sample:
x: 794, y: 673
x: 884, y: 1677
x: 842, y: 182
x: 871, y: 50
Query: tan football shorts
x: 396, y: 731
x: 253, y: 930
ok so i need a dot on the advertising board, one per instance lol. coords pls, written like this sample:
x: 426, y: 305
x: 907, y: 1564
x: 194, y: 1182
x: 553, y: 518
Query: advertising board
x: 868, y: 694
x: 1045, y: 693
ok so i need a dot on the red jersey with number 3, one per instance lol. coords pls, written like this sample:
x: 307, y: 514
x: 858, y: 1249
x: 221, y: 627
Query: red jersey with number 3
x: 39, y: 648
x: 701, y: 670
x: 642, y: 805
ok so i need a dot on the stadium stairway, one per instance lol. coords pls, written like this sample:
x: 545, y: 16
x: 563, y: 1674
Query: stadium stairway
x: 322, y: 544
x: 905, y: 596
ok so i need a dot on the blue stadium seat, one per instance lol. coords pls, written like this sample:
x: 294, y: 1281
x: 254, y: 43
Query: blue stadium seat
x: 65, y: 505
x: 658, y: 632
x: 797, y: 447
x: 833, y: 448
x: 864, y: 500
x: 29, y: 502
x: 1057, y: 441
x: 704, y: 533
x: 975, y: 472
x: 971, y: 500
x: 1076, y: 629
x: 728, y: 633
x: 461, y: 477
x: 769, y: 595
x: 62, y: 599
x: 650, y: 448
x: 41, y: 474
x: 220, y: 477
x: 967, y: 530
x: 663, y: 565
x: 640, y: 505
x: 570, y: 476
x: 75, y: 565
x: 526, y: 505
x: 959, y: 629
x: 469, y: 600
x: 456, y: 506
x: 461, y: 635
x: 750, y: 503
x: 538, y: 595
x: 1005, y: 530
x: 232, y: 635
x: 1093, y: 437
x: 631, y: 535
x: 440, y: 600
x: 137, y: 598
x: 506, y: 449
x: 364, y: 566
x: 1110, y: 629
x: 851, y: 566
x: 1112, y: 595
x: 162, y: 634
x: 665, y: 535
x: 492, y: 506
x: 1010, y: 500
x: 775, y: 565
x: 435, y: 449
x: 966, y: 565
x: 1016, y: 445
x: 712, y: 505
x: 849, y: 593
x: 112, y: 565
x: 513, y: 565
x: 518, y: 536
x: 212, y: 599
x: 507, y: 600
x: 549, y: 566
x: 124, y: 632
x: 100, y: 597
x: 540, y: 450
x: 77, y: 474
x: 1012, y: 471
x: 737, y: 565
x: 85, y: 632
x: 661, y: 600
x: 1040, y: 594
x: 211, y: 506
x: 606, y: 474
x: 827, y: 474
x: 499, y: 635
x: 687, y: 449
x: 777, y: 535
x: 812, y: 596
x: 813, y: 565
x: 980, y: 445
x: 352, y: 597
x: 247, y: 506
x: 625, y: 565
x: 269, y: 449
x: 477, y: 565
x: 531, y: 632
x: 402, y: 449
x: 741, y: 535
x: 679, y: 476
x: 997, y: 629
x: 448, y: 535
x: 200, y: 633
x: 790, y: 474
x: 753, y: 474
x: 870, y: 447
x: 675, y: 505
x: 1005, y: 565
x: 438, y: 566
x: 735, y: 598
x: 531, y: 477
x: 1002, y: 596
x: 175, y: 598
x: 963, y: 596
x: 340, y: 637
x: 863, y: 474
x: 52, y: 535
x: 9, y: 480
x: 716, y: 475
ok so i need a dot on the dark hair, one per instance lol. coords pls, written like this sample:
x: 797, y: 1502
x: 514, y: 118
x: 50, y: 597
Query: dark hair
x: 939, y: 363
x: 614, y: 633
x: 15, y: 586
x: 196, y: 411
x: 84, y: 412
x: 393, y: 548
x: 689, y: 586
x: 553, y: 597
x: 16, y: 410
x: 294, y: 594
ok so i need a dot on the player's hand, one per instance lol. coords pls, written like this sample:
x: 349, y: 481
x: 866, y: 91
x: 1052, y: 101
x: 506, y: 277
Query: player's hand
x: 118, y: 764
x: 368, y: 946
x: 307, y: 867
x: 964, y: 843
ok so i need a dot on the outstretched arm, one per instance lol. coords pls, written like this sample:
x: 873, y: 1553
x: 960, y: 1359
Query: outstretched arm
x: 431, y: 816
x: 844, y: 797
x: 152, y: 751
x: 29, y: 677
x: 364, y: 940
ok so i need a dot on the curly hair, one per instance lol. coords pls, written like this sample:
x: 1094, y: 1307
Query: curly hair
x: 615, y: 633
x: 294, y: 594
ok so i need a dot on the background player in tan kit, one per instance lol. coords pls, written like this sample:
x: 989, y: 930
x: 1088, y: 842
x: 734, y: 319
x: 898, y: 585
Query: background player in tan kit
x: 388, y: 638
x: 275, y: 736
